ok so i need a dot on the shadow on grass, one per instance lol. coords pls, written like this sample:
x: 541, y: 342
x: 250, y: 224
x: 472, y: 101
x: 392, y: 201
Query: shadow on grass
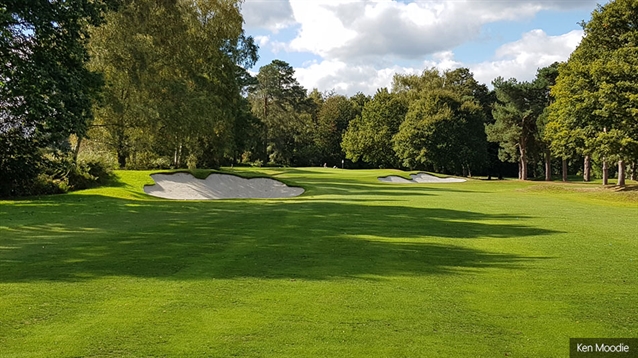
x: 97, y: 237
x: 628, y: 188
x: 379, y: 189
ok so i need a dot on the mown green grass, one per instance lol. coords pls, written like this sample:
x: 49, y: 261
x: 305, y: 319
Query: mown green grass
x: 354, y: 267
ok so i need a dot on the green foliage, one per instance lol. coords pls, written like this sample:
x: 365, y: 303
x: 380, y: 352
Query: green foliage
x: 334, y: 116
x: 444, y: 125
x: 516, y: 116
x: 544, y: 81
x: 359, y: 101
x: 89, y: 173
x: 596, y: 92
x: 369, y: 136
x: 566, y: 128
x: 46, y: 91
x: 285, y: 113
x: 20, y: 164
x: 175, y: 74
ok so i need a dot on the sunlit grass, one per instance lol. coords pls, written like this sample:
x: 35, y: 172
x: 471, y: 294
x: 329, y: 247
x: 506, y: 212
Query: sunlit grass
x: 354, y: 267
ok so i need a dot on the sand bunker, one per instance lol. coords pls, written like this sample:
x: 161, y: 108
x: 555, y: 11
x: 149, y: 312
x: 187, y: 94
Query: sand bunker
x: 184, y: 186
x: 419, y: 178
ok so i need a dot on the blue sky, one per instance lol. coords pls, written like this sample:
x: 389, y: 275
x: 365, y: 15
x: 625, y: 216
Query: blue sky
x: 358, y: 45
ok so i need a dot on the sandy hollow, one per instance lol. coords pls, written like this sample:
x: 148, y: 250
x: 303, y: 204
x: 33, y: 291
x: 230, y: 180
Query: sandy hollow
x: 419, y: 178
x: 184, y: 186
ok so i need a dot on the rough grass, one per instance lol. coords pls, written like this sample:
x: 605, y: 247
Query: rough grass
x: 354, y: 267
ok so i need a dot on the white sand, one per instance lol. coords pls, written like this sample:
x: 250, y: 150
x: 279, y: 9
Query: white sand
x: 184, y: 186
x: 419, y: 178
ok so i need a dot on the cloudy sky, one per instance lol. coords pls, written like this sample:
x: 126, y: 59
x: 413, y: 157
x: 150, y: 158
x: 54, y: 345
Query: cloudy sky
x: 358, y: 45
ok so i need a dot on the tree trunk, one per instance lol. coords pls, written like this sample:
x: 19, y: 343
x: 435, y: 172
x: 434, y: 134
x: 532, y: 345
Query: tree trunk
x: 177, y: 157
x: 621, y: 173
x: 523, y: 164
x: 121, y: 159
x: 519, y: 170
x: 605, y: 169
x: 265, y: 129
x: 564, y: 169
x: 548, y: 165
x: 76, y: 149
x: 469, y: 172
x: 633, y: 171
x: 587, y: 169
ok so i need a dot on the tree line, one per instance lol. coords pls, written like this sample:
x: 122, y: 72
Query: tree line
x: 159, y: 84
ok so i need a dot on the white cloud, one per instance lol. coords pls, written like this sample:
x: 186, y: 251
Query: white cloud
x: 321, y: 31
x: 443, y: 61
x: 360, y: 41
x: 346, y: 29
x: 519, y: 59
x: 275, y: 46
x: 347, y: 78
x: 269, y: 14
x: 262, y: 41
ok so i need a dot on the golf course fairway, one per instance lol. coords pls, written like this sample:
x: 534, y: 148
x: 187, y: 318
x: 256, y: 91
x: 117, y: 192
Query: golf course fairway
x: 353, y: 267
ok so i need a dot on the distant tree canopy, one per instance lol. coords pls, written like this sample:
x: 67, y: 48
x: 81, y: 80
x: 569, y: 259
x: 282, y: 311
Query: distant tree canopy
x: 444, y: 126
x: 285, y: 113
x: 158, y: 84
x: 334, y: 116
x: 369, y: 136
x: 429, y: 121
x: 520, y: 115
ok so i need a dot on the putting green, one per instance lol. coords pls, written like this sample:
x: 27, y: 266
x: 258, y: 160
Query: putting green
x: 353, y: 267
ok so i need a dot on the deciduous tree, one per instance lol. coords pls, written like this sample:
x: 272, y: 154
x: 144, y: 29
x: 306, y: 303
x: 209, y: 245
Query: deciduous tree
x: 444, y: 126
x: 596, y: 92
x: 175, y: 73
x: 46, y: 91
x: 369, y: 136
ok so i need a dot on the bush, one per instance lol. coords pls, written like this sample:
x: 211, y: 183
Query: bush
x: 161, y: 163
x: 20, y: 163
x: 257, y: 163
x: 27, y: 172
x: 89, y: 172
x: 47, y: 185
x: 147, y: 160
x: 191, y: 162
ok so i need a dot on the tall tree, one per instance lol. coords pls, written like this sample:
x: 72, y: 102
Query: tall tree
x: 369, y: 136
x: 124, y: 54
x: 515, y: 114
x: 570, y: 125
x: 603, y: 97
x: 444, y: 125
x: 46, y: 91
x: 281, y: 104
x: 175, y: 73
x: 545, y: 79
x: 359, y: 101
x: 332, y: 121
